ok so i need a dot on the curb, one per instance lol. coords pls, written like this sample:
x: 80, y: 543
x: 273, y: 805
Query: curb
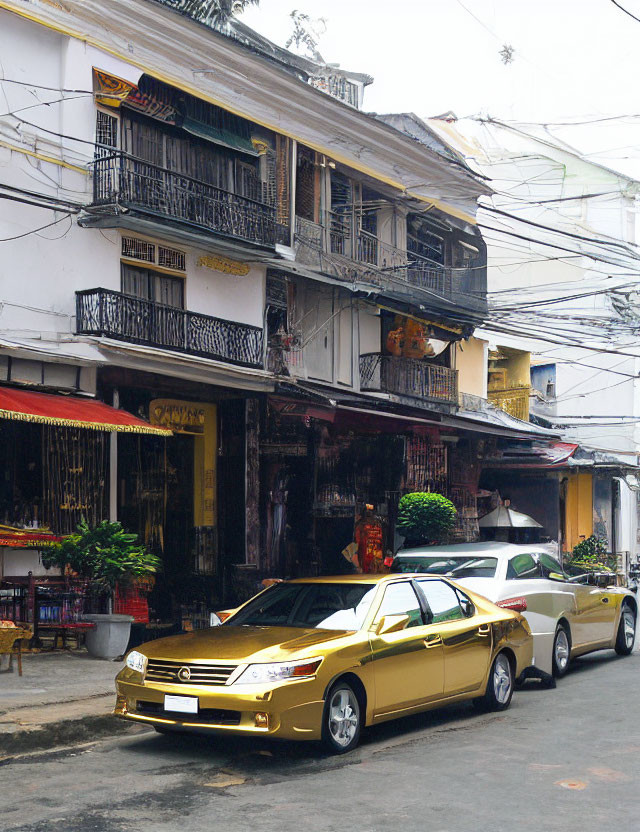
x: 63, y: 732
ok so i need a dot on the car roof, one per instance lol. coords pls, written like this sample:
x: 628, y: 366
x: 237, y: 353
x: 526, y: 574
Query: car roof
x: 489, y: 548
x: 356, y: 578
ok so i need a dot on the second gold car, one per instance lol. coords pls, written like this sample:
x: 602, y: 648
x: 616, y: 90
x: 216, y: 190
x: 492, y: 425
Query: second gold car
x: 321, y: 658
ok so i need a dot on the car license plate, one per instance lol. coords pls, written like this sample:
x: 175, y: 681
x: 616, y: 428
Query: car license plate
x: 182, y: 704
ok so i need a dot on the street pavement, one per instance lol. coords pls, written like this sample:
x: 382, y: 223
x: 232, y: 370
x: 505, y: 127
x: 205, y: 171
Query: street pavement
x: 565, y: 759
x: 61, y: 697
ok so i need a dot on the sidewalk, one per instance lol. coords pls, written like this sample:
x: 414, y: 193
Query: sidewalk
x: 61, y: 697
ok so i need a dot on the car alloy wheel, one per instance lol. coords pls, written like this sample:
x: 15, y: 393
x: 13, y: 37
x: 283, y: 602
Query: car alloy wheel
x: 341, y: 722
x: 500, y: 684
x: 626, y: 637
x: 561, y: 651
x: 502, y: 679
x: 344, y: 716
x: 629, y: 627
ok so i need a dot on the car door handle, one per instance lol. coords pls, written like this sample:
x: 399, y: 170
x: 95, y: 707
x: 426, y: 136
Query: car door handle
x: 432, y: 641
x: 605, y: 600
x: 484, y: 630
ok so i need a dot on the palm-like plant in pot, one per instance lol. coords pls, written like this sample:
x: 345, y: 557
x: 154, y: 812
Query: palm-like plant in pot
x: 106, y: 556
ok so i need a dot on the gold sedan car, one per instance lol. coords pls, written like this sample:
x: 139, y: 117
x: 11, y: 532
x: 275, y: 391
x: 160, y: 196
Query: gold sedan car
x: 320, y: 658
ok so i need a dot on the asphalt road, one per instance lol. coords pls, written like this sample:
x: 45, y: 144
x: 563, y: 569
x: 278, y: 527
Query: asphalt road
x: 565, y: 759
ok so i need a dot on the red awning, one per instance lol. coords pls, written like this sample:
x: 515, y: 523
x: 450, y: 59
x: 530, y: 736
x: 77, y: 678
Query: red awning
x: 27, y: 538
x: 71, y: 411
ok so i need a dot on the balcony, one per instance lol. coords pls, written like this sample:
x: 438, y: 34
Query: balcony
x: 513, y: 400
x: 126, y: 183
x: 137, y: 321
x: 411, y: 377
x: 360, y: 255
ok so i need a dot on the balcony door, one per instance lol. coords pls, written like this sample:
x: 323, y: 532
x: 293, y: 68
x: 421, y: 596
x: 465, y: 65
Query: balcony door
x: 153, y: 312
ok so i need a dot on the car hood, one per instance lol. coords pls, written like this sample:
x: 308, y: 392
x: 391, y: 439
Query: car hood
x: 242, y: 644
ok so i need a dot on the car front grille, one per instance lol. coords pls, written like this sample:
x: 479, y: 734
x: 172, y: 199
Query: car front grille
x: 175, y: 673
x: 209, y: 716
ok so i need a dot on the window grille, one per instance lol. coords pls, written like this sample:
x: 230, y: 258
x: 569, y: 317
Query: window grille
x: 136, y: 249
x: 133, y: 248
x: 172, y: 258
x: 106, y: 130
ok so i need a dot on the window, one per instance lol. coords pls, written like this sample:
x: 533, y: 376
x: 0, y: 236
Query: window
x: 400, y: 599
x: 550, y: 564
x: 326, y: 606
x: 134, y: 248
x: 457, y: 567
x: 150, y: 285
x: 523, y: 567
x: 106, y: 132
x: 442, y: 600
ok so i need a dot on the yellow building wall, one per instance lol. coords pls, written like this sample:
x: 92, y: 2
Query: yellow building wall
x: 578, y: 509
x: 518, y: 370
x: 471, y: 363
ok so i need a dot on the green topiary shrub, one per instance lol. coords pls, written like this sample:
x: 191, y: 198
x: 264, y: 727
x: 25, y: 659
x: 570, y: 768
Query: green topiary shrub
x: 425, y: 518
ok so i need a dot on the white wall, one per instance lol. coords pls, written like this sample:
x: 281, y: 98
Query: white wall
x: 40, y: 273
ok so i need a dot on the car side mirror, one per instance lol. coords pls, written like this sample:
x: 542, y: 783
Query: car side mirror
x: 467, y: 607
x: 391, y: 624
x: 556, y: 576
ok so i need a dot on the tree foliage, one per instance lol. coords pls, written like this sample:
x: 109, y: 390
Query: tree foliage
x: 425, y: 517
x: 106, y: 555
x: 209, y: 11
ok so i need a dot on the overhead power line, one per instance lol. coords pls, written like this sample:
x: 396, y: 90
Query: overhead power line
x: 34, y: 230
x: 626, y: 11
x: 41, y: 87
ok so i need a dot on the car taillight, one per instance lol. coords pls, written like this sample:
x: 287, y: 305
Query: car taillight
x: 515, y: 604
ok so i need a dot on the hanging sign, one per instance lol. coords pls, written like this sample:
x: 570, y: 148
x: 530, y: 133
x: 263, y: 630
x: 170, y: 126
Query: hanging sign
x: 181, y: 417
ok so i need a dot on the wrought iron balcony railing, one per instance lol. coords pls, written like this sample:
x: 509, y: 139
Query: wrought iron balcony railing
x: 412, y: 377
x: 124, y: 180
x: 139, y: 321
x: 357, y: 253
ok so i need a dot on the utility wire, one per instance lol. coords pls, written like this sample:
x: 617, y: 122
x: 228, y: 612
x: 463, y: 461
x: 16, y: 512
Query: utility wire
x: 41, y: 87
x: 626, y: 11
x: 34, y: 230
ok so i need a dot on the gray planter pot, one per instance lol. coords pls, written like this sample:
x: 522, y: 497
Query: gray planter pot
x: 109, y: 638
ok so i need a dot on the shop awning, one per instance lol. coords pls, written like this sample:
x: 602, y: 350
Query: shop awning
x: 27, y: 538
x: 71, y: 411
x: 219, y: 135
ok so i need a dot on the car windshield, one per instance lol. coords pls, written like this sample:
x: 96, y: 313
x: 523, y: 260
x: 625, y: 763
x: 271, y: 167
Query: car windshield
x: 455, y: 567
x: 324, y: 606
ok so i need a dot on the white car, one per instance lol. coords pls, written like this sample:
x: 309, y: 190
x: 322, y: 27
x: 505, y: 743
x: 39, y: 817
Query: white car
x: 567, y: 618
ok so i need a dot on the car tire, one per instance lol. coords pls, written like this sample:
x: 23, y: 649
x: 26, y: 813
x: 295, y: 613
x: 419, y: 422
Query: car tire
x: 500, y: 686
x: 341, y: 719
x: 561, y: 651
x: 626, y: 636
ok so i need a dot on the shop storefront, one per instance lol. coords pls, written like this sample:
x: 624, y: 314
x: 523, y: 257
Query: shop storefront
x: 54, y: 458
x: 330, y: 479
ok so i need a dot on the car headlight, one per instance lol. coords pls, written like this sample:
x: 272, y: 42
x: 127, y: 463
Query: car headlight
x: 256, y: 674
x: 136, y: 661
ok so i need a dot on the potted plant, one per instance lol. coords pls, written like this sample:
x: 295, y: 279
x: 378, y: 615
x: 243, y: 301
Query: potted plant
x: 107, y: 556
x: 425, y: 518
